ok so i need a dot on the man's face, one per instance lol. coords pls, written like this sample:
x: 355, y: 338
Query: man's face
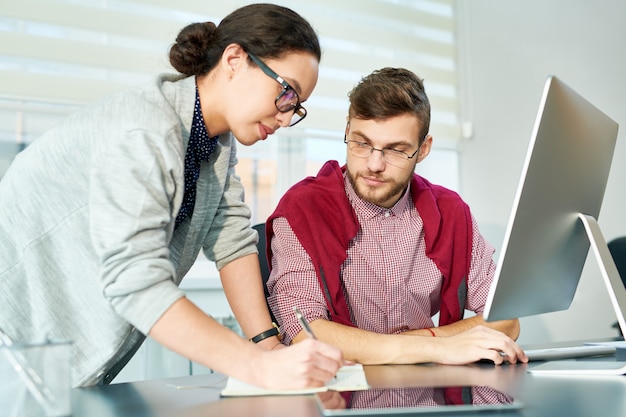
x: 377, y: 178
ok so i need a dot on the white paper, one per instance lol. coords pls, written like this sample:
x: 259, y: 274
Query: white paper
x: 348, y: 378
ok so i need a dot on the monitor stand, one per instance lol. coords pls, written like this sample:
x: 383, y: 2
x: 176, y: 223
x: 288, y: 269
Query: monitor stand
x: 610, y: 274
x: 617, y: 294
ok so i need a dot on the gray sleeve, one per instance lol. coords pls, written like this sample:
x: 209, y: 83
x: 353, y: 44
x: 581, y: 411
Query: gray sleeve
x: 132, y: 187
x: 230, y: 235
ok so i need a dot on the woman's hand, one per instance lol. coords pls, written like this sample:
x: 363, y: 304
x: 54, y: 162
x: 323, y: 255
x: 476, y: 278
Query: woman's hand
x: 307, y: 364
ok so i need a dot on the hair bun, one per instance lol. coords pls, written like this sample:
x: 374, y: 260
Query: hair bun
x: 188, y: 53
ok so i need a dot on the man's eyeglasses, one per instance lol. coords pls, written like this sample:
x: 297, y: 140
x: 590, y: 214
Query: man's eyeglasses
x: 288, y: 99
x: 391, y: 156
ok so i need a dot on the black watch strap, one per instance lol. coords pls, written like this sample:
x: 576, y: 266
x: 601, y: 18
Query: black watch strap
x: 268, y: 333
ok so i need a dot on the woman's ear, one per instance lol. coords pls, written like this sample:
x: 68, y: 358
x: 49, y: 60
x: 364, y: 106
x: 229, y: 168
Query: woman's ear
x: 233, y: 58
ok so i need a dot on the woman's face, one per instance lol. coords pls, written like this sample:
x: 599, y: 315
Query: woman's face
x: 251, y: 113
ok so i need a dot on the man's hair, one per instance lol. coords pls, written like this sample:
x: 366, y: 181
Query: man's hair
x: 390, y: 92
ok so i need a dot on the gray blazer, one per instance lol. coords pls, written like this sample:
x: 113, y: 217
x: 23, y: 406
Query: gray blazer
x: 88, y: 251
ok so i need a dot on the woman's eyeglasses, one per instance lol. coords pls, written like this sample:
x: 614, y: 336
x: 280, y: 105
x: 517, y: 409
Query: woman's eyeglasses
x: 288, y: 99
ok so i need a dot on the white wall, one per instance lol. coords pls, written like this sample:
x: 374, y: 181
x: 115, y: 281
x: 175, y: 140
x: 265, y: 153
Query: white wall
x: 508, y: 49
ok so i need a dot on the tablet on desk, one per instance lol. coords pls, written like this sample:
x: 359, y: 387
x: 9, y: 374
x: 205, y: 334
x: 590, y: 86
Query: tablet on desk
x: 414, y: 400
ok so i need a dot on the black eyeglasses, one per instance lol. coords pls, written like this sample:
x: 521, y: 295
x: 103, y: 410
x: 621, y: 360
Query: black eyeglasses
x: 288, y: 99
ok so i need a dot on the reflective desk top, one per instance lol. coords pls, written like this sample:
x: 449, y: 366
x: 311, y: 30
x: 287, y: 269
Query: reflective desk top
x: 542, y: 396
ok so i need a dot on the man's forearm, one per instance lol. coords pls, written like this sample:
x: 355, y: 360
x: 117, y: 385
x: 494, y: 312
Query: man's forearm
x: 509, y: 327
x: 371, y: 348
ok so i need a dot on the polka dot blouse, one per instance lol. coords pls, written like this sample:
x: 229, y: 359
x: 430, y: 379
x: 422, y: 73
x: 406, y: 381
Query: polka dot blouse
x: 199, y: 149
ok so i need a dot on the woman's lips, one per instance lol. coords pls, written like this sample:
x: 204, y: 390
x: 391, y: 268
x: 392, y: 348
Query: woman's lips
x: 265, y: 131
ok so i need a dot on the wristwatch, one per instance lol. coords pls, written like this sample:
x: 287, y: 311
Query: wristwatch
x: 268, y: 333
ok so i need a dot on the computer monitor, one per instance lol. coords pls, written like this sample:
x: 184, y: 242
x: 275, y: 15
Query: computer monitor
x: 553, y: 221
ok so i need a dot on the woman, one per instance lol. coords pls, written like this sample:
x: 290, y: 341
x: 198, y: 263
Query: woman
x: 102, y: 216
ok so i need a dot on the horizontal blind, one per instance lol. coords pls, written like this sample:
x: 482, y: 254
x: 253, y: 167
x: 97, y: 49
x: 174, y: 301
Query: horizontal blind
x: 57, y: 55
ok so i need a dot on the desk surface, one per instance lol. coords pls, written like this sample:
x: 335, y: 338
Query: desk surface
x: 542, y: 396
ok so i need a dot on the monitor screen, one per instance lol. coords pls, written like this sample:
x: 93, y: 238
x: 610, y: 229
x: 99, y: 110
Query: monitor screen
x: 565, y: 174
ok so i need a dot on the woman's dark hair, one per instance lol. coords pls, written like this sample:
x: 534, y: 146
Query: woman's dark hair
x: 266, y: 30
x: 390, y: 92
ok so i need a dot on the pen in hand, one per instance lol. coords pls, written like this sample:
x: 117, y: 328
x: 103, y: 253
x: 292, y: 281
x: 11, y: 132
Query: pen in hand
x: 304, y: 323
x: 309, y: 331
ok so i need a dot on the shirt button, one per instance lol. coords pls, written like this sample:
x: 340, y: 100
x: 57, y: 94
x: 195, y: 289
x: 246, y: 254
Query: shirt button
x: 387, y: 213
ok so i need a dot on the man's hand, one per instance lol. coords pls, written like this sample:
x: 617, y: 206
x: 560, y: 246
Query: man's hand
x: 478, y: 343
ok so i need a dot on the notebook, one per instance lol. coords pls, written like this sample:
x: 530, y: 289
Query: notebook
x: 348, y: 378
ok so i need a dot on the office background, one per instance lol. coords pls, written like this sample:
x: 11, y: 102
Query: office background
x: 484, y: 64
x: 507, y: 50
x: 58, y: 55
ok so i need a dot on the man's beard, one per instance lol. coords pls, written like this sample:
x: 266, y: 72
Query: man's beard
x: 368, y: 194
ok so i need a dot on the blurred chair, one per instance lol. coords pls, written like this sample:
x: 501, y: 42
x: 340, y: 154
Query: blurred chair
x: 617, y: 247
x: 265, y: 269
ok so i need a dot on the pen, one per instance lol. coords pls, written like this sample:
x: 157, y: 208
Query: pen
x: 303, y: 323
x: 306, y: 327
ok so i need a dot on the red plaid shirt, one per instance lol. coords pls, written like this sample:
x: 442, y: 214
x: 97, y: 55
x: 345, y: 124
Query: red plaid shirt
x: 391, y: 285
x: 423, y: 397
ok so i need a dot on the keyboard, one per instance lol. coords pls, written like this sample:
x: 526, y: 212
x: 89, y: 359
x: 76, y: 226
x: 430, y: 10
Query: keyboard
x: 569, y: 352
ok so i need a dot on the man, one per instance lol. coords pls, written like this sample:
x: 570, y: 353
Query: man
x: 369, y: 252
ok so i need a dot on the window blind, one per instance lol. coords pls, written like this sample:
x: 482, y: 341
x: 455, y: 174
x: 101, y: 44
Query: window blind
x: 57, y: 55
